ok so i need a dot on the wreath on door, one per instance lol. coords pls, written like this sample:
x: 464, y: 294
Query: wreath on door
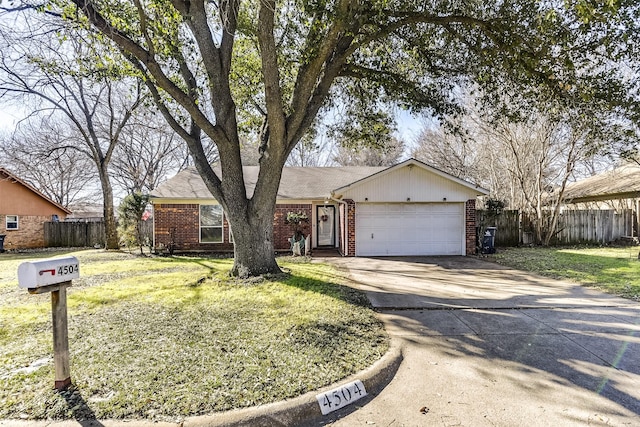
x: 323, y: 218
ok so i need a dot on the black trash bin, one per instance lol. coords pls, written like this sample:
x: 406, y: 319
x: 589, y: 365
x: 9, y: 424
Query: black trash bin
x: 488, y: 241
x: 2, y: 236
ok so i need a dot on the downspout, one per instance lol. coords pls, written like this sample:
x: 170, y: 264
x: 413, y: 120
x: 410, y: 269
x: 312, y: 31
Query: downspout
x: 346, y: 222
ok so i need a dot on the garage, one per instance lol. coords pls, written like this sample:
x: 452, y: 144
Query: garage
x: 384, y: 229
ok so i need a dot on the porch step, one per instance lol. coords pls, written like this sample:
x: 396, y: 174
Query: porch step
x: 325, y: 253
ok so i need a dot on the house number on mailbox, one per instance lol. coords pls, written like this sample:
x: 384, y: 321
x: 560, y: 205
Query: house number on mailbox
x: 67, y: 269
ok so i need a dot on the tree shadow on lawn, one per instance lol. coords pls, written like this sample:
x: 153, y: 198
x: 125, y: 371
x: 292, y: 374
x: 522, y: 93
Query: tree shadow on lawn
x: 338, y: 291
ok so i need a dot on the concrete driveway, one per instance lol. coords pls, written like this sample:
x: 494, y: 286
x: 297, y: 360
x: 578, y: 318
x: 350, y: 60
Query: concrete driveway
x: 485, y: 345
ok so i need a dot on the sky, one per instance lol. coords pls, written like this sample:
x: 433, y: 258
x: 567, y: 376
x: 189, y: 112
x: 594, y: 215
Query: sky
x: 8, y: 118
x: 409, y: 127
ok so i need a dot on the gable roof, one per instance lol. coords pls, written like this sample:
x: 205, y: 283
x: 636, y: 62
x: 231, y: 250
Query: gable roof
x: 10, y: 176
x: 620, y: 183
x: 412, y: 162
x: 297, y: 183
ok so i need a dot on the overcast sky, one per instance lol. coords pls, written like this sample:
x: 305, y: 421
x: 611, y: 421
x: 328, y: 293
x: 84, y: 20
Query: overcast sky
x: 8, y: 118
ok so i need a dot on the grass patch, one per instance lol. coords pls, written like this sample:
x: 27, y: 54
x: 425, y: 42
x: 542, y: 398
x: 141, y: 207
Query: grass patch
x: 610, y: 269
x: 166, y: 338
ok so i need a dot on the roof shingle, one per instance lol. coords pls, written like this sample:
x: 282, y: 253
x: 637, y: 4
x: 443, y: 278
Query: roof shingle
x: 296, y: 183
x: 619, y: 183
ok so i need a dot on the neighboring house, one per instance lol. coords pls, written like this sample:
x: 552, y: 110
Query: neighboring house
x: 86, y: 212
x: 617, y: 191
x: 407, y: 209
x: 617, y: 188
x: 23, y: 212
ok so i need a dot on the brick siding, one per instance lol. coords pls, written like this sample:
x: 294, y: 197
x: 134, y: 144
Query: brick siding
x: 282, y: 232
x: 351, y: 227
x: 182, y: 221
x: 470, y: 231
x: 29, y: 235
x: 180, y: 224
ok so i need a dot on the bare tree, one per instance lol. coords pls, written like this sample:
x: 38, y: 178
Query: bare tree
x: 526, y: 164
x: 458, y: 155
x: 385, y: 155
x: 311, y: 151
x: 539, y: 157
x: 148, y: 154
x: 93, y: 101
x: 39, y: 153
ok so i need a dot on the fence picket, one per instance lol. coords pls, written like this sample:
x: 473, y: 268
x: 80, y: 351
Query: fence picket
x: 80, y: 234
x: 574, y: 226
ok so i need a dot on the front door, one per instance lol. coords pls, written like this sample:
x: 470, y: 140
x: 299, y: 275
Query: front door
x: 326, y: 226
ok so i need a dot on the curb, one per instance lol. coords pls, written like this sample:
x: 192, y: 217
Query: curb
x: 305, y: 408
x: 302, y: 410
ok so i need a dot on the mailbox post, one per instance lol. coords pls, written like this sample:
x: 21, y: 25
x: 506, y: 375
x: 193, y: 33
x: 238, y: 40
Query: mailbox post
x: 54, y: 275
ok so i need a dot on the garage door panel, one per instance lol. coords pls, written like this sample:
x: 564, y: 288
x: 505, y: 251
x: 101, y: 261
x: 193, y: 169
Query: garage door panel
x: 409, y: 229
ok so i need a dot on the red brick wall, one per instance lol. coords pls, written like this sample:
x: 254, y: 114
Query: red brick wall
x: 470, y: 231
x: 351, y: 227
x: 30, y: 232
x: 183, y: 222
x: 282, y: 232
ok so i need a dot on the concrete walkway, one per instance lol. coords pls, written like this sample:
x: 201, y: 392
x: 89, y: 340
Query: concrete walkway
x: 484, y: 345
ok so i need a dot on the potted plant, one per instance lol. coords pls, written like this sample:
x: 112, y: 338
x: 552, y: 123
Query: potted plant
x: 297, y: 219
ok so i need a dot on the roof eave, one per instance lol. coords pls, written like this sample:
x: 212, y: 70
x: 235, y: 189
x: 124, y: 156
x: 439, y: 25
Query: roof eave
x: 602, y: 197
x: 414, y: 162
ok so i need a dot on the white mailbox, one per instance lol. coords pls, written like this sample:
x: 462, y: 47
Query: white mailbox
x: 46, y: 272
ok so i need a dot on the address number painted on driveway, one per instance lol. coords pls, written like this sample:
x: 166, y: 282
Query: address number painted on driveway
x: 342, y: 396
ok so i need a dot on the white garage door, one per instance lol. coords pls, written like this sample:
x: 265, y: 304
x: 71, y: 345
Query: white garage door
x: 410, y: 229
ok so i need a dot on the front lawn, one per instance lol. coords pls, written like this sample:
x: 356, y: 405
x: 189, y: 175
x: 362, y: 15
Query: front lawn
x: 165, y: 338
x: 613, y: 270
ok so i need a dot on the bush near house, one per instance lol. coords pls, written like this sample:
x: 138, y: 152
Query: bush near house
x: 166, y: 338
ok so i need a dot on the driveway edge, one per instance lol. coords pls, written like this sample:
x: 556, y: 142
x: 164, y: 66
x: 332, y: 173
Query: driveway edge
x: 304, y: 408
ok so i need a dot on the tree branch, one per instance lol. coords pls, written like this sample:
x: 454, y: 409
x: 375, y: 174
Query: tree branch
x: 126, y: 44
x: 271, y: 74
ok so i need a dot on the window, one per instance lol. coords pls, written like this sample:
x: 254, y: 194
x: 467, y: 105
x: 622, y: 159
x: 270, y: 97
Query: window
x: 12, y: 222
x: 210, y: 224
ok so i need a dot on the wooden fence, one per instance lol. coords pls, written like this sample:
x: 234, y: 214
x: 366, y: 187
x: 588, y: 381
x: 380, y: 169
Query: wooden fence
x: 74, y: 234
x: 82, y: 234
x: 507, y: 224
x: 574, y: 226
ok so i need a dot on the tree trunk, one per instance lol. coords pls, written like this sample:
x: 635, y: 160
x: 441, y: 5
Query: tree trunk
x: 110, y: 225
x: 254, y: 251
